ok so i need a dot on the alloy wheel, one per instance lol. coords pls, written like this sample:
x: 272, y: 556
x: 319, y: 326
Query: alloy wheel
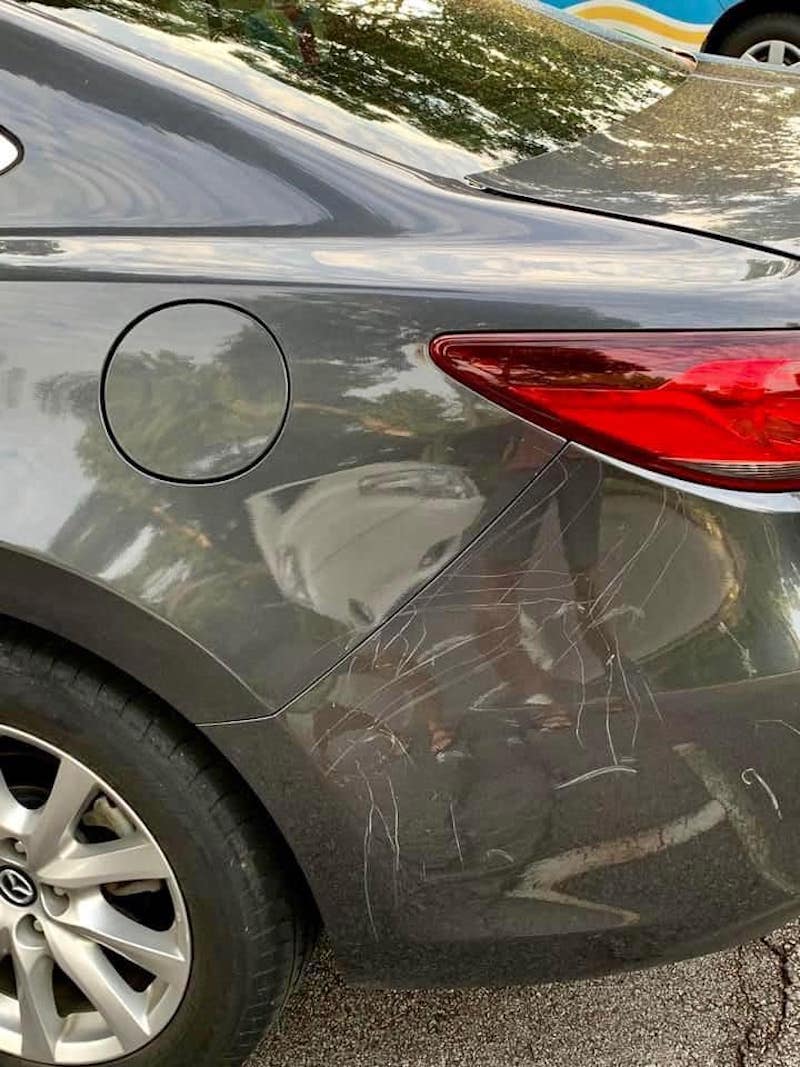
x: 95, y: 949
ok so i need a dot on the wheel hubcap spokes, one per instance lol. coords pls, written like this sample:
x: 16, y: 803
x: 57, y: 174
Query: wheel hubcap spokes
x: 94, y: 937
x: 778, y: 53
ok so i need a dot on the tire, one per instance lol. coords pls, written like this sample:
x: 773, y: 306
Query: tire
x: 771, y: 26
x: 251, y: 920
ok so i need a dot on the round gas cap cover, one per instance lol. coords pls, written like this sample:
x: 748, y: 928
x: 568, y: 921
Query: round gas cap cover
x: 195, y: 392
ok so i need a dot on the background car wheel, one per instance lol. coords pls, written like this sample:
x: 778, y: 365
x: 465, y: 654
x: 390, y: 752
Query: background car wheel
x: 149, y: 913
x: 773, y: 37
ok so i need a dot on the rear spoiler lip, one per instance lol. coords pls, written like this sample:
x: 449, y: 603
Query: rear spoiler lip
x: 478, y: 181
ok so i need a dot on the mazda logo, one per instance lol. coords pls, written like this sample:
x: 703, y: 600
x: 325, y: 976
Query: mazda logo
x: 16, y: 887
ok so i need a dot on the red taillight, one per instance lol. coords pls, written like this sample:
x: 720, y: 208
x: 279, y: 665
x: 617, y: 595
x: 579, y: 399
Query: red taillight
x: 721, y: 407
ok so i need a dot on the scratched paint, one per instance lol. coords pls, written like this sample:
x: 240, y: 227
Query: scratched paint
x: 571, y: 716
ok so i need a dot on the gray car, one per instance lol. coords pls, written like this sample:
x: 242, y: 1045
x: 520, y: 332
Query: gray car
x: 400, y: 466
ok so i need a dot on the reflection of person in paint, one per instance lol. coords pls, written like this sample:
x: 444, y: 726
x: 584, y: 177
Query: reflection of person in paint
x: 498, y: 625
x: 300, y: 19
x: 528, y: 684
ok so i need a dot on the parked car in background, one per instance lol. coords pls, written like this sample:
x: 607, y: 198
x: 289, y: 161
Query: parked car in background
x: 400, y: 466
x: 757, y: 30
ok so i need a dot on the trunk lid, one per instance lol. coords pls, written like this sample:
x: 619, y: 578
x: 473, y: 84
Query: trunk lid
x: 720, y: 154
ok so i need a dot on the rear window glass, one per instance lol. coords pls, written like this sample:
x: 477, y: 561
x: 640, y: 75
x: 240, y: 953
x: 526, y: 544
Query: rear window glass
x: 450, y: 86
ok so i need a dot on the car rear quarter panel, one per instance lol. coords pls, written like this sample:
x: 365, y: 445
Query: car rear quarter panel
x: 615, y: 663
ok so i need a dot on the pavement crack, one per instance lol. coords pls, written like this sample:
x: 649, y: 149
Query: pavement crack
x: 782, y: 956
x: 764, y: 1023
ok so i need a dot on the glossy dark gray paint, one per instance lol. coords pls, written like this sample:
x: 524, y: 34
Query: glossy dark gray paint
x: 305, y: 614
x: 654, y: 820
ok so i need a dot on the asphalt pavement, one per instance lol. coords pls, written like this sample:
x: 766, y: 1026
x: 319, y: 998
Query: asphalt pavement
x: 733, y: 1009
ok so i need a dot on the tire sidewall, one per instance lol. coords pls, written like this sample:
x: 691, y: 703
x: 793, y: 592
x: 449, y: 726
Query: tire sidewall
x: 84, y: 720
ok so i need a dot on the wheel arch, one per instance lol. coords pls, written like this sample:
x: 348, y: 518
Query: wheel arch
x: 124, y: 634
x: 99, y: 625
x: 737, y: 14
